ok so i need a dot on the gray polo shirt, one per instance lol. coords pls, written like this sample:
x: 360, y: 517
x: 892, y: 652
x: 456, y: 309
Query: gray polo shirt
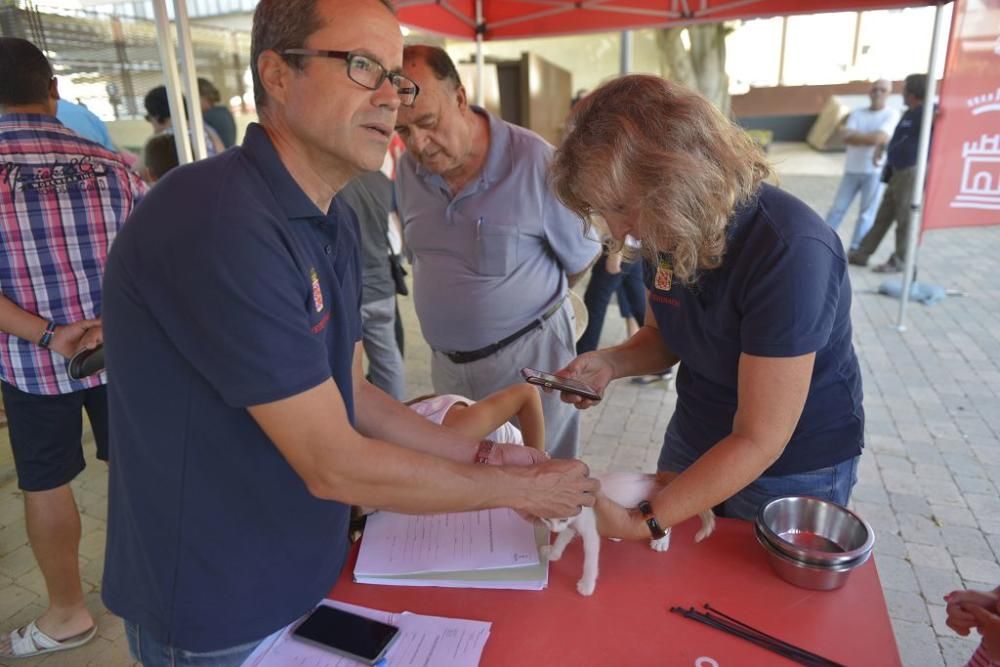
x: 495, y: 257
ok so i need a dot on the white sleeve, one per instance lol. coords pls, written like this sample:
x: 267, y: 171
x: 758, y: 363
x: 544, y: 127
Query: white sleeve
x: 853, y: 121
x: 506, y: 433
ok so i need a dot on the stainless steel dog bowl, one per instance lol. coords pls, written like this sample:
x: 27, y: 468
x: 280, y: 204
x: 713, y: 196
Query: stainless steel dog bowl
x: 815, y: 531
x: 808, y: 575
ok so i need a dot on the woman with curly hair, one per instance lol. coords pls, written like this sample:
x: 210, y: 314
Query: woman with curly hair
x: 747, y: 287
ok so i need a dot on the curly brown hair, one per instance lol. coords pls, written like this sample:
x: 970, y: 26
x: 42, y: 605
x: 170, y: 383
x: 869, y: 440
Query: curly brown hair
x: 645, y: 145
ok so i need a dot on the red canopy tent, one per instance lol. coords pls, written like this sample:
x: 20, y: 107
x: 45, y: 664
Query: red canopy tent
x: 508, y: 19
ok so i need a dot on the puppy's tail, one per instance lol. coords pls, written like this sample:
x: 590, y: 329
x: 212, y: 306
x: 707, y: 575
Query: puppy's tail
x: 707, y: 525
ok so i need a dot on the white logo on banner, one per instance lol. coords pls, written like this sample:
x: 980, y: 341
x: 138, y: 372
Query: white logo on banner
x: 984, y: 103
x: 981, y: 174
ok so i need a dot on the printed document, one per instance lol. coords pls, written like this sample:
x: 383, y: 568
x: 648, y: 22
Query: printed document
x: 399, y: 544
x: 423, y: 640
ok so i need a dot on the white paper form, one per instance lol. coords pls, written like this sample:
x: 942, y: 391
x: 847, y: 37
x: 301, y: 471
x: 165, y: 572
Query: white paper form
x: 403, y: 544
x: 423, y: 640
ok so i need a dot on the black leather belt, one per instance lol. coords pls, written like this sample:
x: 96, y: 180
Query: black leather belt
x: 483, y: 352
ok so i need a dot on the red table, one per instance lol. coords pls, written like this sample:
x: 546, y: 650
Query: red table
x: 627, y: 620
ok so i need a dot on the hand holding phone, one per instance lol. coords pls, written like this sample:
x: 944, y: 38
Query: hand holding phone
x: 347, y: 634
x: 86, y: 363
x: 568, y: 385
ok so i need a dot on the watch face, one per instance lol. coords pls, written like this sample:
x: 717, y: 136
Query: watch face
x: 654, y: 527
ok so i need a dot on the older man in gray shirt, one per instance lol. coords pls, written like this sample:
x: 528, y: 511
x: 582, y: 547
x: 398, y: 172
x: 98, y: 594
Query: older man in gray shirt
x: 494, y: 252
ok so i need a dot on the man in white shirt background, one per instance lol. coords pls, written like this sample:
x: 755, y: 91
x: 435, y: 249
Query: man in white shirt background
x: 863, y: 131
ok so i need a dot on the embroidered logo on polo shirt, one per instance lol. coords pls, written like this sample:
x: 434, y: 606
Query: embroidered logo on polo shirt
x: 317, y: 292
x: 664, y: 278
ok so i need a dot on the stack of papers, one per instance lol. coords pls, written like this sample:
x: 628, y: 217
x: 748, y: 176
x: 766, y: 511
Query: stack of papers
x: 423, y: 640
x: 486, y: 549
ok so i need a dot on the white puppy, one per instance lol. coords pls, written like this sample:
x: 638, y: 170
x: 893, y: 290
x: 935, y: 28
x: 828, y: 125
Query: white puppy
x: 627, y: 489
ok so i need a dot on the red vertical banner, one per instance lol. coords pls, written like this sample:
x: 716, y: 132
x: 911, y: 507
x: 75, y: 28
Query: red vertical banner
x: 963, y: 178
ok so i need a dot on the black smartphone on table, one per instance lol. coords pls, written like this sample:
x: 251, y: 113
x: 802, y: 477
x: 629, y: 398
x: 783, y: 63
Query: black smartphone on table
x: 347, y: 634
x: 550, y: 381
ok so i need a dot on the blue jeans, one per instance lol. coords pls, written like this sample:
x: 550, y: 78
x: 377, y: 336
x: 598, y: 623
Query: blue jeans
x: 153, y: 653
x: 601, y: 287
x: 869, y: 186
x: 831, y: 483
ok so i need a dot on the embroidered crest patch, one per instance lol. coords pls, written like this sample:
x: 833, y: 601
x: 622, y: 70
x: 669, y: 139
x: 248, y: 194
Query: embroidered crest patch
x: 317, y: 292
x: 664, y: 278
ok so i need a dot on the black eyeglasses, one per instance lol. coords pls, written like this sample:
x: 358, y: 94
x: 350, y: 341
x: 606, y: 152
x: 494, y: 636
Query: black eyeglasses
x: 366, y: 72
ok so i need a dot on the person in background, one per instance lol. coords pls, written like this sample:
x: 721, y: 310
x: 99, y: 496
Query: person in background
x: 611, y: 275
x: 158, y: 115
x: 159, y: 156
x: 63, y: 200
x: 494, y: 253
x: 901, y: 170
x: 216, y: 116
x: 242, y: 425
x: 747, y: 287
x: 84, y: 122
x: 370, y: 197
x: 865, y: 132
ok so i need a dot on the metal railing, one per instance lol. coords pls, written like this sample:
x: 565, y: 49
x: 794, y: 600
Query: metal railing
x: 109, y: 62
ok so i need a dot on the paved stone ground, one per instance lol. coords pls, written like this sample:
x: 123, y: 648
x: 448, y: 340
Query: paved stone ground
x: 928, y: 479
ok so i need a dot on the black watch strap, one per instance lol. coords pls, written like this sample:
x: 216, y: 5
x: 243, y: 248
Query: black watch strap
x: 654, y: 526
x: 50, y: 330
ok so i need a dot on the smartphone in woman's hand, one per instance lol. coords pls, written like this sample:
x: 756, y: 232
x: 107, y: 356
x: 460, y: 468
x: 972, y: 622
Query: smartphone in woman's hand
x: 568, y: 385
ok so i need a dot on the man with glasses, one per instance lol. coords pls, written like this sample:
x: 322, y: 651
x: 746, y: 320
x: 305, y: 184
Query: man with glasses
x: 494, y: 252
x: 242, y: 423
x: 865, y: 132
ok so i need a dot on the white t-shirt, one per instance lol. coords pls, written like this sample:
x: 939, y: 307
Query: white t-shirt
x: 436, y: 407
x: 859, y: 158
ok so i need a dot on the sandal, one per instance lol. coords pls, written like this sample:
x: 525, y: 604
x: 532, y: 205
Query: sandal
x: 29, y: 641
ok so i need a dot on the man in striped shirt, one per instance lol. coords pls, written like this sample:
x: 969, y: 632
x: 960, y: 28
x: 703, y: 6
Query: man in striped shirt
x: 63, y: 199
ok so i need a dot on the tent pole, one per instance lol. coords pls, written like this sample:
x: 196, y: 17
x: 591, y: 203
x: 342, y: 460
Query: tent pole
x: 171, y: 81
x: 923, y: 148
x: 190, y: 78
x: 626, y: 52
x: 480, y: 93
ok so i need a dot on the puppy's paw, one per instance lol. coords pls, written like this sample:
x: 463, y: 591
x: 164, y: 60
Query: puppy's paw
x: 661, y: 544
x: 707, y: 526
x: 550, y: 553
x: 586, y: 587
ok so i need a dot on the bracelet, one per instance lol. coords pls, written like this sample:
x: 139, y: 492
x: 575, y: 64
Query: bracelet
x: 654, y: 527
x: 484, y: 451
x: 50, y: 330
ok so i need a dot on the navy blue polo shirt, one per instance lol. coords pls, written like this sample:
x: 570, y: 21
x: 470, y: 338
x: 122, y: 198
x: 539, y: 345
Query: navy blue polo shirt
x: 782, y: 291
x: 901, y: 153
x: 227, y: 288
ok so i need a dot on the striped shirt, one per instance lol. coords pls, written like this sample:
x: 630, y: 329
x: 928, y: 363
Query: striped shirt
x: 981, y: 659
x: 63, y: 199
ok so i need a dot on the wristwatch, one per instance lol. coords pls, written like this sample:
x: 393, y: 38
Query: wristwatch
x: 654, y: 527
x: 50, y: 330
